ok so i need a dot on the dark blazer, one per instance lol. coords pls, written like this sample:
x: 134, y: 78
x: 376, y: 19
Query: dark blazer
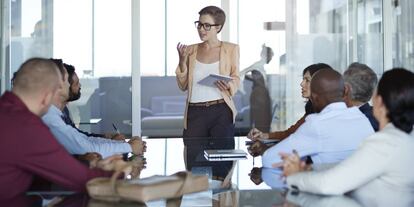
x: 367, y: 110
x: 68, y: 120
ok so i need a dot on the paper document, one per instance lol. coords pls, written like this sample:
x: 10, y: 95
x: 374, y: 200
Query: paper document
x: 212, y: 78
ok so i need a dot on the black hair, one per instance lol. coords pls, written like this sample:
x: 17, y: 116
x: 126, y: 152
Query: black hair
x: 312, y: 69
x: 396, y: 88
x: 71, y: 72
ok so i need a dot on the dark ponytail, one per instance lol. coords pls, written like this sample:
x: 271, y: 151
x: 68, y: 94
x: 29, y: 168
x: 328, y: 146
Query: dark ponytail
x: 396, y: 88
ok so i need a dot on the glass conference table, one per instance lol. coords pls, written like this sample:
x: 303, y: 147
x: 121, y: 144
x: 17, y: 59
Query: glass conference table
x: 251, y: 185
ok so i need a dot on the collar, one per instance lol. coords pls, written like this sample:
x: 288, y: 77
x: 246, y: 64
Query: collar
x: 334, y: 106
x: 364, y: 106
x: 55, y: 110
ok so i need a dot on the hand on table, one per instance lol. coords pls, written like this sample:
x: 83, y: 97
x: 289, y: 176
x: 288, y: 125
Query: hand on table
x: 256, y: 134
x: 257, y: 148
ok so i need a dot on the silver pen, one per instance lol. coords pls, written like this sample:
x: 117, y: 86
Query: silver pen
x: 253, y: 126
x: 116, y: 129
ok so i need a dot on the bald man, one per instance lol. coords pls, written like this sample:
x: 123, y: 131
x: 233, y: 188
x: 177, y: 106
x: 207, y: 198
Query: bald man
x: 332, y: 133
x: 27, y: 147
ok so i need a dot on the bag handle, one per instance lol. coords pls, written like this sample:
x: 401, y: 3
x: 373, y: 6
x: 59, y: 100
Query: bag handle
x: 114, y: 178
x: 186, y: 176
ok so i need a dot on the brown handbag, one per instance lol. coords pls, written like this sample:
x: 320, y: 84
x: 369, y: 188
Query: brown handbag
x: 146, y: 189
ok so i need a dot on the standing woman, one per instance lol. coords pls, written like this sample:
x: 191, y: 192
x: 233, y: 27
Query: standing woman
x: 210, y: 111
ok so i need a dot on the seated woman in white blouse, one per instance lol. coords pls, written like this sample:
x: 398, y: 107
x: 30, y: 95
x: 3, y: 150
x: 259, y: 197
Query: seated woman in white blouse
x: 380, y: 172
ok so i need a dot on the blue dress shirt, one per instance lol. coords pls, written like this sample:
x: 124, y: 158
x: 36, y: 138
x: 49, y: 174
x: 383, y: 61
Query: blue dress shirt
x: 78, y: 143
x: 327, y: 137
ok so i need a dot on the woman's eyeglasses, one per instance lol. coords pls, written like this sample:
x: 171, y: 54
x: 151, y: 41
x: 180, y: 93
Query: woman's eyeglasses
x: 206, y: 26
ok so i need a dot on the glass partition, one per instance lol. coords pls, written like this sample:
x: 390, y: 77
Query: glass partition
x: 81, y: 33
x: 333, y: 32
x: 403, y: 34
x: 95, y: 37
x: 316, y: 33
x: 368, y: 30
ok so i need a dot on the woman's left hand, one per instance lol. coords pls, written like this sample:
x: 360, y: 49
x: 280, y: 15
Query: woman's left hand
x: 291, y: 163
x: 222, y: 85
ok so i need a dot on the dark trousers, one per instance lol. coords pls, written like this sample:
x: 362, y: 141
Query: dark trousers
x: 209, y: 128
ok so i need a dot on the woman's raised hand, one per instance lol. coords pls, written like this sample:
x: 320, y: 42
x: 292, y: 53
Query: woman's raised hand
x: 182, y: 51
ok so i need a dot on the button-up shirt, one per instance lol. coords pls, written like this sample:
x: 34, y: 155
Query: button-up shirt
x: 28, y: 148
x: 78, y: 143
x: 327, y: 137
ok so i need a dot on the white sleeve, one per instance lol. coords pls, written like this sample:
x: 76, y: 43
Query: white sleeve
x: 364, y: 165
x: 323, y: 166
x: 305, y: 141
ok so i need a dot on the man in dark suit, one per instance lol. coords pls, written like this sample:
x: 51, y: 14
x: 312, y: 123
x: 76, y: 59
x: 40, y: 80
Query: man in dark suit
x: 360, y: 83
x: 75, y: 94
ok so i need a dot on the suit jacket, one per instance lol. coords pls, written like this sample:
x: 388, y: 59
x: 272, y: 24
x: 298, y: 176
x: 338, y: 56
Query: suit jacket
x: 68, y: 120
x: 229, y: 65
x: 367, y: 110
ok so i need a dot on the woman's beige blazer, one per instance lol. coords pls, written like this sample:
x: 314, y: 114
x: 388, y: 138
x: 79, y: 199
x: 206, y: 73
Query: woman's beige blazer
x: 229, y: 65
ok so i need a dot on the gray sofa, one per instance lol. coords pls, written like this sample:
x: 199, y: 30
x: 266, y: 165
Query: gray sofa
x: 162, y: 106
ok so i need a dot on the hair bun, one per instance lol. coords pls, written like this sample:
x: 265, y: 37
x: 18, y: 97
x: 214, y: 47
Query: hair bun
x: 403, y: 120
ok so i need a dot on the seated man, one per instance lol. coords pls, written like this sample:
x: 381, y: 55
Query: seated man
x: 76, y: 142
x: 27, y: 147
x: 333, y: 132
x: 75, y: 94
x: 360, y: 82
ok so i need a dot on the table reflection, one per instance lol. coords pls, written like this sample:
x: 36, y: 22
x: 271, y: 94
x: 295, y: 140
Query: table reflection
x: 255, y: 186
x: 312, y: 200
x: 270, y: 176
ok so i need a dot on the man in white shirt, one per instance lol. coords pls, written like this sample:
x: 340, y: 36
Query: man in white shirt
x: 333, y: 132
x: 76, y: 142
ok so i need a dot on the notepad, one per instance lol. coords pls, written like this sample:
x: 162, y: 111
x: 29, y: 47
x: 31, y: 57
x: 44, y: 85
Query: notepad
x: 224, y: 153
x: 211, y: 80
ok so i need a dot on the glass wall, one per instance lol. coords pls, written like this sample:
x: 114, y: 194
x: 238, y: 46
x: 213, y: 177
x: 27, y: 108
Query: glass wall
x: 258, y: 35
x: 316, y: 33
x: 95, y: 37
x: 163, y: 25
x: 403, y: 34
x: 368, y: 29
x: 333, y: 32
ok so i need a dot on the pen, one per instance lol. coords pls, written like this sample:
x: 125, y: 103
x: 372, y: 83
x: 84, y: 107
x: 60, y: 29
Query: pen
x: 253, y: 126
x: 253, y: 161
x: 116, y: 129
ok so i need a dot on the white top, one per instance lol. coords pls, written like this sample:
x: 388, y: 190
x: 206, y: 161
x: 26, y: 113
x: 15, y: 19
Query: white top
x: 328, y: 137
x: 381, y: 169
x: 201, y: 93
x: 78, y: 143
